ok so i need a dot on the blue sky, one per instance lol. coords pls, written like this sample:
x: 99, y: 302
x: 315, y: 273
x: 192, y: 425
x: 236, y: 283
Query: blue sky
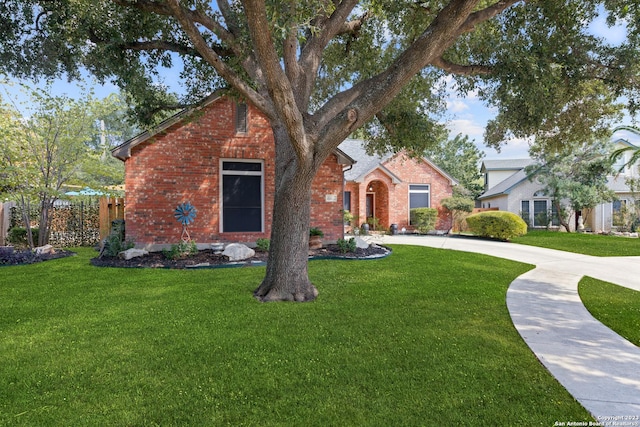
x: 466, y: 115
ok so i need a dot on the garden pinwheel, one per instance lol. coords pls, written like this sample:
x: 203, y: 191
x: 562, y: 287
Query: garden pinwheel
x: 185, y: 213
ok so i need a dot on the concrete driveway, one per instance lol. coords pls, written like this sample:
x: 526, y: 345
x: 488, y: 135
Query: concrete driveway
x: 597, y: 366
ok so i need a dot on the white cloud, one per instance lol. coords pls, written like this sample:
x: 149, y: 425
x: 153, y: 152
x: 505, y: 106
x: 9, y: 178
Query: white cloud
x: 466, y: 127
x: 516, y: 148
x: 456, y: 105
x: 614, y: 35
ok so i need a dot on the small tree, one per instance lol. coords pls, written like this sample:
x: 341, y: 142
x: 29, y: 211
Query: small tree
x: 460, y: 157
x: 460, y: 207
x: 45, y: 151
x: 574, y: 178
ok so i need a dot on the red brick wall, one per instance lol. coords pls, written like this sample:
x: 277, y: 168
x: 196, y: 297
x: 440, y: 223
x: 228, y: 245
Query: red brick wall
x: 183, y: 165
x: 392, y: 206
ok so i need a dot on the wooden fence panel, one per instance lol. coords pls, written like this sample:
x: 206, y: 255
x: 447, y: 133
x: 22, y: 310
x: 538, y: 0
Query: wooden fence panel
x: 111, y: 208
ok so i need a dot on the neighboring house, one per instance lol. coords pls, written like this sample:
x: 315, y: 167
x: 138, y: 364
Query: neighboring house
x: 507, y: 188
x: 387, y: 187
x: 220, y: 157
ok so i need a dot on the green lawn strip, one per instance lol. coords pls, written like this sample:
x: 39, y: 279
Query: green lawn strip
x: 423, y: 336
x: 582, y: 243
x: 615, y: 306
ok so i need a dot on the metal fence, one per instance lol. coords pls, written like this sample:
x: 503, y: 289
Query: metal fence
x: 74, y: 223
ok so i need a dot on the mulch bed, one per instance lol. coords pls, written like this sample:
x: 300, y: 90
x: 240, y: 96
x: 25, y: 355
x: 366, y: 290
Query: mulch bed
x: 208, y: 259
x: 18, y: 257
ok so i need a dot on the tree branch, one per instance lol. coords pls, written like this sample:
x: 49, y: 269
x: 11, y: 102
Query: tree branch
x: 214, y: 59
x: 369, y: 96
x: 146, y: 45
x: 278, y: 85
x: 486, y: 14
x: 463, y: 70
x: 311, y: 54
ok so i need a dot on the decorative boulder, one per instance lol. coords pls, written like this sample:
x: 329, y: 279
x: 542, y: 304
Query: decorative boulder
x: 361, y: 243
x: 46, y: 249
x: 238, y: 252
x: 133, y: 253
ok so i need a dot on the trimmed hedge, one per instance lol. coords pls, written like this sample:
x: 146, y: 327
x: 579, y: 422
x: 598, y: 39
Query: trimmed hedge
x: 424, y: 219
x: 497, y: 224
x: 18, y: 236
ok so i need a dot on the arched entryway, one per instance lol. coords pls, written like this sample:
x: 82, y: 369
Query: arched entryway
x: 377, y: 204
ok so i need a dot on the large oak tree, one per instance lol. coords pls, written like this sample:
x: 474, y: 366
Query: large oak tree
x: 320, y: 69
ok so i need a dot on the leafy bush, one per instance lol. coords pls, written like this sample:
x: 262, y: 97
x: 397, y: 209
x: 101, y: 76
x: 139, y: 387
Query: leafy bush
x: 458, y: 203
x: 424, y: 219
x: 347, y: 245
x: 181, y: 250
x: 263, y: 244
x: 18, y: 236
x: 315, y: 231
x: 113, y: 244
x: 498, y: 224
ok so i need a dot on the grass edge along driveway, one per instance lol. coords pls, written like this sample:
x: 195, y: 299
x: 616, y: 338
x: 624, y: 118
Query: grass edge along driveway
x: 421, y: 337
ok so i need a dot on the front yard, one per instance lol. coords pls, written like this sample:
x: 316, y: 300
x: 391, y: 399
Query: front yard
x: 421, y: 337
x: 583, y: 243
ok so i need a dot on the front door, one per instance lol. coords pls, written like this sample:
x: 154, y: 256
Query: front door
x: 371, y: 200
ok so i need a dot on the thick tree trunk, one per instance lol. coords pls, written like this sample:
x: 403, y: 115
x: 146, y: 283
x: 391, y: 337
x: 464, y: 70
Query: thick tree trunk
x: 287, y: 278
x: 563, y: 221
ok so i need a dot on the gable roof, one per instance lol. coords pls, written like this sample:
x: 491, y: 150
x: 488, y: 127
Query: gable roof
x: 123, y: 151
x: 505, y: 186
x: 367, y: 163
x: 505, y: 164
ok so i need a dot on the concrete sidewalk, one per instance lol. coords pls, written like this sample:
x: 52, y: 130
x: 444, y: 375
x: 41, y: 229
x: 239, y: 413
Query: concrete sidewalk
x: 597, y: 366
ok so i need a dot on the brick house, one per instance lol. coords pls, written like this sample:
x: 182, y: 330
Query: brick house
x: 220, y: 157
x: 387, y: 187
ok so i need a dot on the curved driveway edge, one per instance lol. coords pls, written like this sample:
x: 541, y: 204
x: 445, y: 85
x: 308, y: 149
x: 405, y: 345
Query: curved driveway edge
x: 597, y: 366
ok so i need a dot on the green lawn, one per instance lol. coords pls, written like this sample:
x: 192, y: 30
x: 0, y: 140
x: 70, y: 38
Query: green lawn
x: 422, y: 337
x: 587, y: 244
x: 615, y: 306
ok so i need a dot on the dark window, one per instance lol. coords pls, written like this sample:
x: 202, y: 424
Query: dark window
x: 347, y: 201
x: 418, y: 197
x: 241, y: 118
x: 540, y: 213
x: 525, y: 211
x: 241, y: 196
x: 618, y: 209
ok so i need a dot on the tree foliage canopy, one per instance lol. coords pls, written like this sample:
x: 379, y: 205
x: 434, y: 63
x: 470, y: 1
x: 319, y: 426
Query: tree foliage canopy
x: 313, y: 61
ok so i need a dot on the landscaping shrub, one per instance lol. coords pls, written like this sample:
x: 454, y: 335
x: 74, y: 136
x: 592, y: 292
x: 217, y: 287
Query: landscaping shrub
x: 18, y: 236
x: 263, y: 244
x: 113, y: 244
x: 347, y: 245
x: 180, y: 250
x: 498, y: 224
x: 424, y: 219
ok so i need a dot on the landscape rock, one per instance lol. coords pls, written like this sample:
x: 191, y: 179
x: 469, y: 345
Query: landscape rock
x: 361, y: 243
x: 46, y: 249
x: 133, y: 253
x: 238, y: 252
